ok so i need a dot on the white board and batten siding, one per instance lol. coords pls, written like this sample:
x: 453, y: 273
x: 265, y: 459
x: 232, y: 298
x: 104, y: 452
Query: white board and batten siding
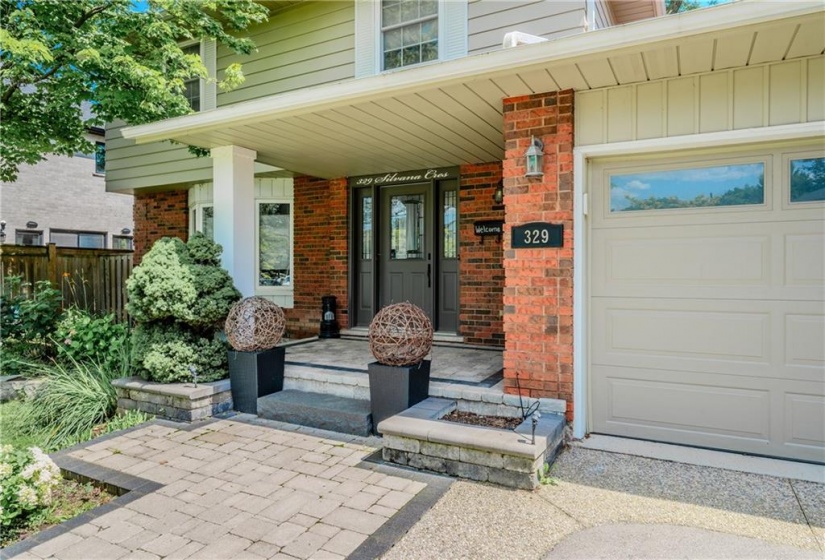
x: 772, y: 94
x: 266, y: 190
x: 489, y: 20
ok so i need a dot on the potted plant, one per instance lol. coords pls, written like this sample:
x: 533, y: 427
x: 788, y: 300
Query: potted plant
x: 401, y: 336
x: 254, y: 328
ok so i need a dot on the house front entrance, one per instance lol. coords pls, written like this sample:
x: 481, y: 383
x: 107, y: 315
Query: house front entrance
x: 406, y: 244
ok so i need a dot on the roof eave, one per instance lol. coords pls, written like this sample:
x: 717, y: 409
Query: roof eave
x: 350, y: 91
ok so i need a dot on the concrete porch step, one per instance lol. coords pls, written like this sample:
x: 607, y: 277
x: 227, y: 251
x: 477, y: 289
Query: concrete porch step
x: 318, y: 410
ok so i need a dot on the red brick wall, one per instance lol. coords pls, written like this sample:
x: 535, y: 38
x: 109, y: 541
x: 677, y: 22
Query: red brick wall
x: 481, y: 275
x: 159, y: 214
x: 538, y: 292
x: 321, y: 209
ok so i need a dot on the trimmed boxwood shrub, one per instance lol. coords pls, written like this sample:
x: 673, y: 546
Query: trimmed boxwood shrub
x: 180, y: 296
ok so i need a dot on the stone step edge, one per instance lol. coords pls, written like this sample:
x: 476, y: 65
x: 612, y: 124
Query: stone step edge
x: 421, y: 423
x: 440, y: 389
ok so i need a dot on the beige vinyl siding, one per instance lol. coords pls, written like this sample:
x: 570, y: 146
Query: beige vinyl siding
x: 765, y: 95
x: 308, y: 45
x: 130, y: 167
x: 490, y: 20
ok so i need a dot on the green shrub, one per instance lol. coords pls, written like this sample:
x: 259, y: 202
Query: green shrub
x: 28, y: 477
x: 165, y: 353
x: 84, y: 337
x: 28, y: 317
x: 180, y: 297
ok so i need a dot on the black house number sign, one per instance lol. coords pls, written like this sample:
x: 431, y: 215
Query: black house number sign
x: 537, y: 235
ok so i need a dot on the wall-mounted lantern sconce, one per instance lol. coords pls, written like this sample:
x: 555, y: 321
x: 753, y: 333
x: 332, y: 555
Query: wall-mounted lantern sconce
x: 125, y: 231
x: 31, y: 224
x: 498, y: 194
x: 2, y: 231
x: 534, y: 159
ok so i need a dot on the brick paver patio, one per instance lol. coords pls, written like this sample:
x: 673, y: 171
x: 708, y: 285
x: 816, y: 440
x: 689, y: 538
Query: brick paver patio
x: 235, y: 489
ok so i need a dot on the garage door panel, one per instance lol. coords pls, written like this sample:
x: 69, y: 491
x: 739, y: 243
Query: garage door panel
x: 800, y: 431
x: 729, y: 336
x: 805, y: 341
x: 763, y: 416
x: 686, y: 261
x: 709, y: 409
x: 776, y: 339
x: 805, y: 260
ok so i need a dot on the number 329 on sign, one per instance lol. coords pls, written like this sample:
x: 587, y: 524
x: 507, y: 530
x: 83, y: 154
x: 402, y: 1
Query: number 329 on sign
x: 537, y: 235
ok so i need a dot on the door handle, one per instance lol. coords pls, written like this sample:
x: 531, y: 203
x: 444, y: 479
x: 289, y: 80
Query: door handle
x: 429, y: 275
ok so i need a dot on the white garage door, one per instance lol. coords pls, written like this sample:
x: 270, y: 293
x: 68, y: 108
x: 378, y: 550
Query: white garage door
x: 707, y: 308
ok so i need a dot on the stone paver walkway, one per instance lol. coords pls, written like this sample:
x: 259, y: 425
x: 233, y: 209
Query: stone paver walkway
x: 239, y: 490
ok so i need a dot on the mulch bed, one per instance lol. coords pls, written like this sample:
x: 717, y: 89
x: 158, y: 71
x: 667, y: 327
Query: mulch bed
x: 479, y: 420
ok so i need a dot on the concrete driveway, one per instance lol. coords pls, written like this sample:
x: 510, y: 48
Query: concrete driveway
x: 611, y: 505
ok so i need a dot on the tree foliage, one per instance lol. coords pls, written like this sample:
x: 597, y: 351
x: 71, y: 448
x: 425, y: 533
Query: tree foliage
x: 57, y: 54
x: 748, y: 194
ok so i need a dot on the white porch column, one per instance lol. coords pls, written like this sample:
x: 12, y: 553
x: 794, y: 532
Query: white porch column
x: 233, y: 195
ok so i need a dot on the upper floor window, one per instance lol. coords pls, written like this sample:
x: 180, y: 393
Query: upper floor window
x: 192, y: 88
x: 100, y: 158
x: 409, y: 32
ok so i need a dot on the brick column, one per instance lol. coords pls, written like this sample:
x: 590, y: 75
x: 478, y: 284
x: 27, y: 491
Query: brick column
x: 480, y: 272
x: 538, y: 292
x: 156, y: 215
x: 321, y: 252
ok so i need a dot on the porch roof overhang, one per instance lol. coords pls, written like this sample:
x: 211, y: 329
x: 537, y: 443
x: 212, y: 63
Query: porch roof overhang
x: 450, y: 113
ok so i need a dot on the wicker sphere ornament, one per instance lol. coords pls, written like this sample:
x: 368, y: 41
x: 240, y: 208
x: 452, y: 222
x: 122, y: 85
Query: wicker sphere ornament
x: 254, y: 324
x: 401, y: 334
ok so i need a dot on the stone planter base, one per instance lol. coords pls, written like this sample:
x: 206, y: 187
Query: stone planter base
x: 255, y: 374
x: 394, y: 389
x: 418, y: 439
x: 174, y: 401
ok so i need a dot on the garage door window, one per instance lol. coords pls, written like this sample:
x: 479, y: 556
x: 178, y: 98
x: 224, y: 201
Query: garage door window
x: 808, y: 180
x: 699, y: 187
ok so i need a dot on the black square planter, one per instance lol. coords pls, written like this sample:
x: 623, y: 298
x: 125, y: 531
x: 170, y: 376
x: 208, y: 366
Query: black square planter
x: 394, y: 389
x: 253, y: 375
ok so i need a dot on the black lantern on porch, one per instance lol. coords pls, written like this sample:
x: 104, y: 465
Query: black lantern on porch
x: 329, y: 326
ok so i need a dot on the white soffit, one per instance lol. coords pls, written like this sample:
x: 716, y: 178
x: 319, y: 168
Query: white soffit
x: 451, y: 113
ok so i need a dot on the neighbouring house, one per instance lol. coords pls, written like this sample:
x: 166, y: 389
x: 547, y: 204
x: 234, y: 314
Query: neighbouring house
x: 632, y: 208
x: 63, y: 200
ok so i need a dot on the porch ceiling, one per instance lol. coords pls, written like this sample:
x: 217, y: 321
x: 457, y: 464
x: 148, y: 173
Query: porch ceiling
x: 451, y: 113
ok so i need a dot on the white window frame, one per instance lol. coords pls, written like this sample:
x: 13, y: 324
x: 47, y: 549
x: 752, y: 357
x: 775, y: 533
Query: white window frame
x: 196, y: 225
x: 379, y: 40
x: 274, y: 290
x: 369, y: 55
x: 208, y: 88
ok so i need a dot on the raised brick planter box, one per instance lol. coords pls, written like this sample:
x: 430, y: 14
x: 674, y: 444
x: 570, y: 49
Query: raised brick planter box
x: 175, y: 401
x: 417, y: 438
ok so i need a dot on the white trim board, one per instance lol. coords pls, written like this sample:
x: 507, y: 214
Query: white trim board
x: 581, y: 155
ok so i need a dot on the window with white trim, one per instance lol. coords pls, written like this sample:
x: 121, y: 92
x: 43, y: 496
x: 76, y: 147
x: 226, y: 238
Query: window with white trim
x: 273, y: 245
x: 28, y: 237
x: 396, y: 34
x: 192, y: 86
x: 409, y: 32
x: 202, y: 219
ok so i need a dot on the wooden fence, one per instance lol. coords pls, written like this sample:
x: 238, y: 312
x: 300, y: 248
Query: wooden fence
x: 92, y: 279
